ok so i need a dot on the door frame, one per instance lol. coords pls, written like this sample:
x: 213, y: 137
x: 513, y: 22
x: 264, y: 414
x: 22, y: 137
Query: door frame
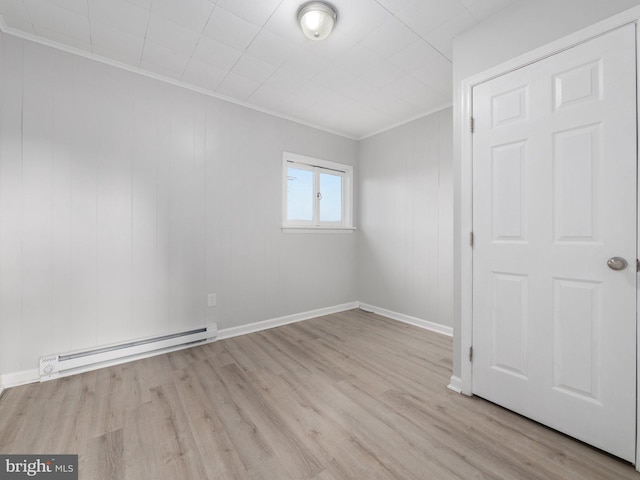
x: 465, y: 383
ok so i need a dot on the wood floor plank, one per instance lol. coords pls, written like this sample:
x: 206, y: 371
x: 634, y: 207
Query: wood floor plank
x: 104, y: 458
x: 174, y: 439
x: 204, y: 420
x: 346, y: 396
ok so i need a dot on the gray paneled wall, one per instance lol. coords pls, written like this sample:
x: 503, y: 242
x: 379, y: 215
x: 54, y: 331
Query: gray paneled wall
x: 406, y: 240
x: 125, y: 200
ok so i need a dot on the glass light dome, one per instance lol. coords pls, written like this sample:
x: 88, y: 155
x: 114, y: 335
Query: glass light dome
x: 317, y: 19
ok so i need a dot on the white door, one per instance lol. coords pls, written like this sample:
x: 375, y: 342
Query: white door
x: 554, y: 197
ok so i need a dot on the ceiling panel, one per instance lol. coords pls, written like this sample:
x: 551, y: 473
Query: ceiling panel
x: 191, y: 14
x: 167, y: 33
x: 271, y: 48
x: 121, y: 15
x: 390, y: 37
x: 77, y: 6
x: 268, y: 97
x: 333, y: 78
x: 203, y: 75
x: 440, y: 37
x: 255, y: 12
x: 110, y: 42
x: 237, y: 86
x: 253, y: 68
x: 424, y: 16
x: 50, y: 17
x: 383, y: 74
x: 359, y: 17
x: 415, y: 56
x: 230, y: 29
x: 216, y: 53
x: 15, y: 12
x: 164, y: 61
x: 386, y: 62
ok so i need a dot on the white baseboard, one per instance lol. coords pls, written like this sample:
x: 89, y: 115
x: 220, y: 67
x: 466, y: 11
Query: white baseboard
x: 456, y: 384
x: 15, y: 379
x: 29, y: 376
x: 401, y: 317
x: 286, y: 320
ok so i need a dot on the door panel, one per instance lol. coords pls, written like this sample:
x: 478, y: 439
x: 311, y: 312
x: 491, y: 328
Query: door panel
x: 509, y: 324
x: 575, y: 316
x: 554, y: 197
x: 575, y: 153
x: 508, y: 172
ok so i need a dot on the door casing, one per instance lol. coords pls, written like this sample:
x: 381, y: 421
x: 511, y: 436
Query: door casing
x: 464, y: 383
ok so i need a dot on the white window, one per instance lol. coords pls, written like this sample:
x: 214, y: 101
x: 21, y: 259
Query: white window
x: 317, y: 194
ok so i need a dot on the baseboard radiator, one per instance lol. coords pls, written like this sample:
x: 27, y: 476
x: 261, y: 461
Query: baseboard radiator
x: 54, y: 366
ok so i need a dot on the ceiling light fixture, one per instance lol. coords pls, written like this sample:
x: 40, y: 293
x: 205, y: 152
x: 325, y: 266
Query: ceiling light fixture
x: 317, y: 19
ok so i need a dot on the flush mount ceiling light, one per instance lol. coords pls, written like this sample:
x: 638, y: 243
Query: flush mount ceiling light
x: 317, y: 19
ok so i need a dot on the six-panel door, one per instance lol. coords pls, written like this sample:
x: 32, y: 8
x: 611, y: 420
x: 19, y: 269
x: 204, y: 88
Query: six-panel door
x: 554, y: 197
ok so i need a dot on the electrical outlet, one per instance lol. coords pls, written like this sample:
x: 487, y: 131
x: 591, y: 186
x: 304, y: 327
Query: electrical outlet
x: 211, y: 300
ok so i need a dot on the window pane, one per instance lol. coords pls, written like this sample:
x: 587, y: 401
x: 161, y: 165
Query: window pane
x: 299, y: 194
x: 331, y: 197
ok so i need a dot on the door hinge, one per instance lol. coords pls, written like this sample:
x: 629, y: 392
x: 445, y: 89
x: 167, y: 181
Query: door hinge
x: 471, y: 354
x: 472, y: 124
x: 637, y: 265
x: 471, y: 239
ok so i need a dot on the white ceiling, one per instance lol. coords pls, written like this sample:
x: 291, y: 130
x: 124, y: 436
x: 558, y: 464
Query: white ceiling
x: 386, y: 62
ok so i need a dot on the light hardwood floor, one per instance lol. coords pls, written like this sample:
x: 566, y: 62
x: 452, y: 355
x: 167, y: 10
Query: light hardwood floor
x: 346, y: 396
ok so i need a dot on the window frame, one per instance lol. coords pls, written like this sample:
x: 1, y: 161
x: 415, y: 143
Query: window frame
x: 318, y: 166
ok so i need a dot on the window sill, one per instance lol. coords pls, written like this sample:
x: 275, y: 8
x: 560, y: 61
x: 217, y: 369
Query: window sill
x: 317, y: 229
